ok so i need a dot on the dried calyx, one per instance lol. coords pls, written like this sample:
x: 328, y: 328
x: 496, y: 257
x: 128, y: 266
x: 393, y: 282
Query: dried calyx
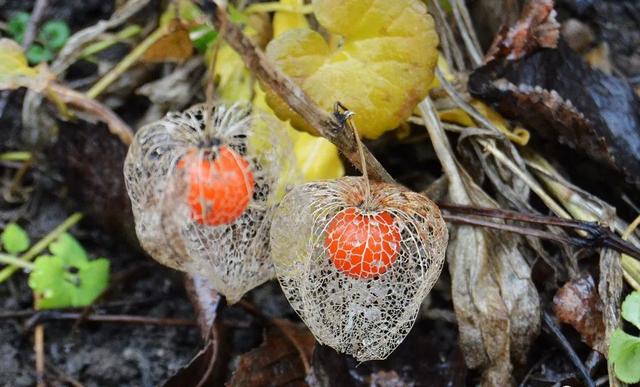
x: 357, y: 276
x: 356, y: 258
x: 202, y: 195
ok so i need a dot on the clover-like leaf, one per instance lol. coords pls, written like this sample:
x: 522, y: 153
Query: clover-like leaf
x: 631, y: 309
x: 379, y: 61
x: 17, y: 25
x: 60, y: 285
x: 54, y: 34
x: 69, y: 250
x: 624, y: 353
x: 14, y: 239
x: 48, y: 281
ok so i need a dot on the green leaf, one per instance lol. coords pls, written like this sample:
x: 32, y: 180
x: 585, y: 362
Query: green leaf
x: 69, y: 250
x: 59, y: 285
x: 624, y: 353
x: 631, y: 309
x: 14, y: 239
x: 17, y: 25
x: 48, y: 281
x: 94, y: 278
x: 54, y: 34
x: 202, y: 36
x: 38, y: 54
x: 237, y: 16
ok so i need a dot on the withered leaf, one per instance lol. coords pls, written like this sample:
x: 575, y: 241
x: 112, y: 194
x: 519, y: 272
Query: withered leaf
x: 537, y: 27
x: 175, y: 46
x: 496, y: 304
x: 277, y: 361
x: 578, y: 304
x: 558, y: 96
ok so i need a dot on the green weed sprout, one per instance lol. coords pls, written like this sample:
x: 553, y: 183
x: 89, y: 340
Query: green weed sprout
x: 51, y: 38
x: 624, y: 349
x: 63, y: 277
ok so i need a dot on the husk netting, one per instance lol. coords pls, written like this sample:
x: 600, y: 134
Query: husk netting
x: 357, y: 270
x: 202, y: 196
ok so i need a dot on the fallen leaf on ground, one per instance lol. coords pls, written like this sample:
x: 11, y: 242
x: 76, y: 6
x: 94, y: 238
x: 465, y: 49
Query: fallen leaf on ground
x: 277, y: 361
x: 578, y: 304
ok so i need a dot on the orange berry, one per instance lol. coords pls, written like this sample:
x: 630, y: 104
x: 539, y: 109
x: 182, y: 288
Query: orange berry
x: 362, y: 245
x: 219, y: 189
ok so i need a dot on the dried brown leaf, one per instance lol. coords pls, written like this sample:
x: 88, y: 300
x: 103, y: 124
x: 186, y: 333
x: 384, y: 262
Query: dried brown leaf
x: 276, y: 362
x: 175, y: 46
x: 495, y: 301
x: 536, y: 28
x: 578, y: 304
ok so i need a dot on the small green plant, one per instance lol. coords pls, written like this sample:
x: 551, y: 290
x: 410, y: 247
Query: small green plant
x: 624, y: 349
x: 63, y: 278
x: 52, y: 36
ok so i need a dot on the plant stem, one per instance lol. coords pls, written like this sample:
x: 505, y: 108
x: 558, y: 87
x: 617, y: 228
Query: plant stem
x: 277, y: 6
x: 127, y: 62
x: 15, y: 156
x: 15, y: 261
x: 41, y: 245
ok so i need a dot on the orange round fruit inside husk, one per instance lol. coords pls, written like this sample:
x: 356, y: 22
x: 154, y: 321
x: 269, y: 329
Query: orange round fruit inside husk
x: 362, y: 245
x: 219, y: 188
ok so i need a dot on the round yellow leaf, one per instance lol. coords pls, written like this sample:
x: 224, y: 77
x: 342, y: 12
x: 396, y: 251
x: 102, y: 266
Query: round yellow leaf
x: 380, y: 67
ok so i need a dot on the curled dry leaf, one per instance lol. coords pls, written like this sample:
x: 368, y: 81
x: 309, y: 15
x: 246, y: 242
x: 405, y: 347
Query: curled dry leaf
x: 356, y: 268
x: 202, y: 196
x: 277, y: 361
x: 559, y: 97
x: 496, y: 303
x: 536, y: 28
x: 578, y: 304
x: 379, y: 62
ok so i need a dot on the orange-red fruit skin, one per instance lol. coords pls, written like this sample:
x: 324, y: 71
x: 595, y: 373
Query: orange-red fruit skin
x: 362, y: 245
x: 220, y: 189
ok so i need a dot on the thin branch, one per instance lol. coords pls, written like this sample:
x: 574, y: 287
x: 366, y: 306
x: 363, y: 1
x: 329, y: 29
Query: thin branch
x: 597, y: 235
x: 42, y: 316
x: 89, y: 105
x: 324, y: 123
x: 566, y: 346
x: 34, y: 21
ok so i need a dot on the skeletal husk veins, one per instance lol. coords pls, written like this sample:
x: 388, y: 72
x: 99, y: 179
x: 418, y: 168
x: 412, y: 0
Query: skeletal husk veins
x: 203, y: 195
x: 357, y: 268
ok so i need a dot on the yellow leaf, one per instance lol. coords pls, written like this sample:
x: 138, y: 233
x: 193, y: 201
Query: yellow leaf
x: 316, y: 157
x: 234, y: 82
x: 379, y: 65
x: 284, y: 21
x: 15, y: 71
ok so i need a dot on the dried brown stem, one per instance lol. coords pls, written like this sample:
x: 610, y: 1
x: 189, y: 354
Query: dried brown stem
x: 325, y: 124
x: 597, y: 235
x: 39, y: 317
x: 82, y: 102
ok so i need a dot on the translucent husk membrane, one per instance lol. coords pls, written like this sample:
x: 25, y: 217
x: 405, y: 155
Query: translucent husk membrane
x: 179, y: 171
x: 366, y: 315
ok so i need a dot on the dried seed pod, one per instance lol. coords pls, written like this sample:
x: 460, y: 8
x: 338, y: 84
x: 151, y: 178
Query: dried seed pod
x: 356, y: 267
x: 203, y: 195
